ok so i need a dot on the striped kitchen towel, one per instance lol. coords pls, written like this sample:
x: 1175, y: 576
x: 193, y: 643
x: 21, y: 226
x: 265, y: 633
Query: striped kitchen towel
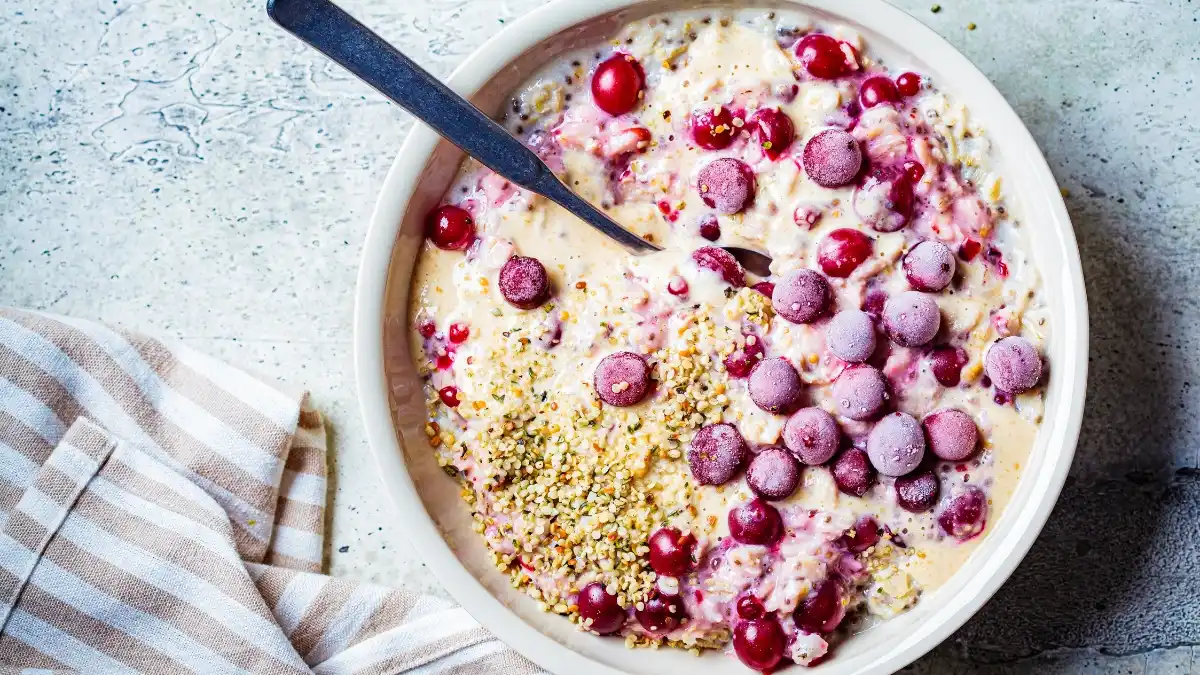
x: 163, y: 512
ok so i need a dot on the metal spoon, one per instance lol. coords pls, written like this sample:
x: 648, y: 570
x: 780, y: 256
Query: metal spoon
x: 341, y: 37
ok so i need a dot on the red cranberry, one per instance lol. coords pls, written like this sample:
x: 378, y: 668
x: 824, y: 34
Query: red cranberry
x: 842, y: 251
x: 661, y: 614
x: 449, y: 395
x: 773, y: 130
x: 712, y: 128
x: 914, y: 170
x: 722, y: 262
x: 524, y: 283
x: 760, y: 644
x: 671, y: 551
x: 917, y: 492
x: 749, y: 608
x: 450, y: 228
x: 742, y: 360
x: 599, y: 609
x: 821, y: 611
x: 853, y: 473
x: 710, y: 229
x: 825, y: 57
x: 459, y: 332
x: 755, y: 522
x: 969, y: 249
x: 874, y: 302
x: 966, y: 514
x: 862, y: 536
x: 427, y: 329
x: 877, y: 90
x: 677, y: 286
x: 765, y: 287
x: 947, y: 364
x: 445, y: 360
x: 617, y: 84
x: 908, y: 84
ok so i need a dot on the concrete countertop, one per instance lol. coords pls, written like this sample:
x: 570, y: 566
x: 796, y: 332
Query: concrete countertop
x: 184, y: 168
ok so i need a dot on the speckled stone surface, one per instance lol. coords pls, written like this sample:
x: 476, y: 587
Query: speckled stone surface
x: 184, y: 168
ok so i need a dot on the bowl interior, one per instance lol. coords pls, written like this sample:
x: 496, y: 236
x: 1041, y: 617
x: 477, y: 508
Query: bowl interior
x: 440, y: 525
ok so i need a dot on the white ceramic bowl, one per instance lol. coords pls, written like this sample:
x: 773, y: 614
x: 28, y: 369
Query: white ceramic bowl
x: 431, y: 512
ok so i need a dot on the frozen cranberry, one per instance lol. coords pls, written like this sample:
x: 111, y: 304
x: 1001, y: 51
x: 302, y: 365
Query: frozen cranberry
x: 427, y: 329
x: 712, y: 128
x: 801, y: 296
x: 599, y: 609
x: 951, y: 433
x: 726, y: 184
x: 862, y: 536
x: 449, y: 396
x: 459, y: 332
x: 877, y: 90
x: 716, y: 453
x: 1013, y: 364
x: 677, y: 286
x: 671, y: 551
x: 710, y: 229
x: 917, y: 492
x: 760, y: 644
x: 617, y: 84
x: 524, y: 282
x: 825, y: 57
x: 774, y: 385
x: 896, y: 445
x: 852, y: 472
x: 884, y: 201
x: 755, y: 522
x: 860, y: 392
x: 947, y: 363
x: 908, y: 84
x: 822, y: 610
x: 622, y: 379
x: 450, y: 228
x: 765, y: 287
x: 850, y: 335
x: 722, y: 262
x: 813, y: 435
x: 832, y: 158
x: 661, y: 614
x: 749, y: 607
x: 773, y: 474
x: 929, y: 266
x: 742, y: 360
x: 965, y: 515
x: 842, y: 251
x: 911, y: 318
x: 773, y: 130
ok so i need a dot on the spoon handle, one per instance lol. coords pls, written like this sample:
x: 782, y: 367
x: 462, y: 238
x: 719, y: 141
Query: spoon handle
x: 336, y: 34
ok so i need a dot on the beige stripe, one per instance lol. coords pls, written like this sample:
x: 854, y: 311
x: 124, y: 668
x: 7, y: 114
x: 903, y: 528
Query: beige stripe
x: 109, y: 579
x: 307, y: 460
x: 280, y: 560
x: 9, y: 586
x: 98, y: 635
x: 89, y: 439
x: 127, y: 478
x: 185, y: 448
x: 389, y: 614
x: 9, y: 496
x: 301, y: 516
x: 18, y: 653
x: 319, y: 615
x: 40, y: 386
x: 25, y: 531
x: 20, y: 437
x: 56, y: 485
x: 272, y: 583
x: 198, y: 388
x: 141, y: 531
x: 309, y: 418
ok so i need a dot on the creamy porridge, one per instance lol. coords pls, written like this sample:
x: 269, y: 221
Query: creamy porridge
x: 668, y: 449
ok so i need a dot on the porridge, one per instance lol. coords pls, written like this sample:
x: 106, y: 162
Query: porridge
x: 668, y: 449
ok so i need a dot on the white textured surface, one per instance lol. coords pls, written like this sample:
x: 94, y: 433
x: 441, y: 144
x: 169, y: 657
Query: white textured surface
x: 186, y: 169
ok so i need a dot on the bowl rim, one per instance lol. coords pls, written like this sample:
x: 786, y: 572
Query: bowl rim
x: 371, y: 295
